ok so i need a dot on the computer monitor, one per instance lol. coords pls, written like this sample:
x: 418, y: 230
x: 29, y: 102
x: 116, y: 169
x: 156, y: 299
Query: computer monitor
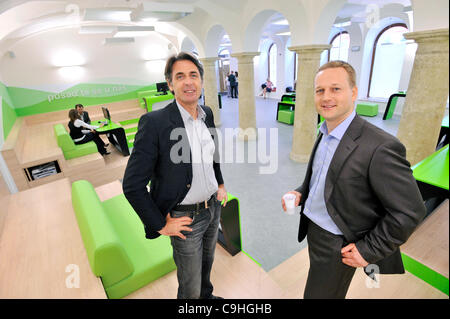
x: 162, y: 87
x: 106, y: 113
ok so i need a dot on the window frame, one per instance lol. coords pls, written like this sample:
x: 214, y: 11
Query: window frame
x: 334, y: 38
x: 374, y: 49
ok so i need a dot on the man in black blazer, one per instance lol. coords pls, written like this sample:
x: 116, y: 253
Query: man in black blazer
x: 176, y: 150
x: 84, y: 115
x: 359, y: 199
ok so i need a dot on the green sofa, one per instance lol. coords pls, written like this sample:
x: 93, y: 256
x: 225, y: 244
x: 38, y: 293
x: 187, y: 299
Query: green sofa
x: 114, y: 238
x: 70, y: 150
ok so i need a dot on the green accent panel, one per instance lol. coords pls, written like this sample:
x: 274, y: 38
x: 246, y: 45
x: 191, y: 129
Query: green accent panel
x: 131, y: 130
x: 128, y: 122
x: 9, y: 118
x: 433, y: 170
x: 4, y: 93
x: 392, y: 108
x: 23, y: 97
x: 252, y: 258
x: 150, y: 100
x: 428, y: 275
x: 30, y: 102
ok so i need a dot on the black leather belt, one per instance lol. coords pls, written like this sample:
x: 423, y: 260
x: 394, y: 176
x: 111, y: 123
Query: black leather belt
x: 195, y: 207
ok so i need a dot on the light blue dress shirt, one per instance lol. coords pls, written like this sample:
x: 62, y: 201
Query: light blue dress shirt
x: 315, y: 208
x: 204, y: 182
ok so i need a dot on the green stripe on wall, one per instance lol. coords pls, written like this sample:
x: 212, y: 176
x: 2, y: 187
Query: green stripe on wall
x: 428, y: 275
x: 9, y: 118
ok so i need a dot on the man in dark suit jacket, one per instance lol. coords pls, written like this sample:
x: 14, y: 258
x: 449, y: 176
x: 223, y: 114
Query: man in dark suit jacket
x: 359, y: 199
x: 174, y: 149
x: 233, y: 85
x: 84, y: 115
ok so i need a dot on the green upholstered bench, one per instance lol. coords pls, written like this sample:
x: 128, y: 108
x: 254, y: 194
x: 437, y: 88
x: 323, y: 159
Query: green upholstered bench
x: 286, y: 116
x: 114, y: 238
x: 70, y: 150
x: 367, y: 109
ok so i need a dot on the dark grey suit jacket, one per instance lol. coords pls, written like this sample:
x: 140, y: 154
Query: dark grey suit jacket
x: 370, y: 194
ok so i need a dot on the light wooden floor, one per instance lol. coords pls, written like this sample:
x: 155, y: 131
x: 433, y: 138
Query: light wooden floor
x: 40, y: 241
x: 239, y: 277
x: 4, y: 199
x: 41, y: 237
x: 291, y: 276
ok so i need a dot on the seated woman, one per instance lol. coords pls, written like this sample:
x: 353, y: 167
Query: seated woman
x: 82, y: 132
x: 267, y: 87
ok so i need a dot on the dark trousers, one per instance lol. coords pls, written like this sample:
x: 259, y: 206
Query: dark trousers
x: 194, y: 256
x: 234, y: 91
x: 97, y: 140
x: 328, y: 277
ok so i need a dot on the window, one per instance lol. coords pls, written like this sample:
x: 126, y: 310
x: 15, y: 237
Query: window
x: 272, y: 64
x: 339, y: 47
x: 387, y: 61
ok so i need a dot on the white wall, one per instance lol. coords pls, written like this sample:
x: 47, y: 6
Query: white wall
x: 34, y: 62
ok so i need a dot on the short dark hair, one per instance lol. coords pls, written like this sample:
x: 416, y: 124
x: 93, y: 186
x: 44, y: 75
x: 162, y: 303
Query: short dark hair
x: 341, y: 64
x: 178, y: 57
x: 78, y: 105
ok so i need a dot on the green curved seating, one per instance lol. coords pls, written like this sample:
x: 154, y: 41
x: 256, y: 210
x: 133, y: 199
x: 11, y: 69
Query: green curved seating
x: 114, y: 238
x: 68, y: 147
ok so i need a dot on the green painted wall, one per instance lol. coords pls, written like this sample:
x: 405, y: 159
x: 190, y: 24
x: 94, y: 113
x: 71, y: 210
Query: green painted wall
x: 18, y: 101
x: 30, y: 102
x: 8, y: 113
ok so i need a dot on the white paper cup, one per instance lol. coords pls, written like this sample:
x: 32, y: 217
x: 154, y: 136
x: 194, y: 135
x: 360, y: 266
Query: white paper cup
x: 289, y: 201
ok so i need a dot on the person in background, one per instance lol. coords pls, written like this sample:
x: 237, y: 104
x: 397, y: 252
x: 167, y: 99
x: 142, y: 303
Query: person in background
x: 81, y: 132
x: 84, y: 115
x: 267, y: 87
x: 237, y: 83
x: 233, y: 85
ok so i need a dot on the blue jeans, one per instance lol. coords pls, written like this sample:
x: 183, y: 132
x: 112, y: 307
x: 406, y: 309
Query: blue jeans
x: 194, y: 256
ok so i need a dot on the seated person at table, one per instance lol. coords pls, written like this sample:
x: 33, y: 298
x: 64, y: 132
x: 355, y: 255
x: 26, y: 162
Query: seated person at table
x: 82, y: 132
x: 84, y: 115
x: 267, y: 87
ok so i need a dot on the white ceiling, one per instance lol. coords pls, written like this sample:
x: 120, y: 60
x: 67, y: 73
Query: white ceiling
x: 36, y: 16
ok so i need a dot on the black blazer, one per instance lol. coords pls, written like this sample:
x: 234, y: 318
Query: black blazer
x: 150, y: 160
x: 370, y: 194
x: 85, y: 118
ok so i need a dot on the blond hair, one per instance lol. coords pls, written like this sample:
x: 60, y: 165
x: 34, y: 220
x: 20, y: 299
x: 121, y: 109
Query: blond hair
x: 341, y: 64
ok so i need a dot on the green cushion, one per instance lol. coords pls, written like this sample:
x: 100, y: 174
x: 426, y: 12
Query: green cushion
x: 367, y: 109
x: 70, y: 150
x: 132, y: 260
x: 107, y: 256
x: 286, y: 116
x: 151, y: 259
